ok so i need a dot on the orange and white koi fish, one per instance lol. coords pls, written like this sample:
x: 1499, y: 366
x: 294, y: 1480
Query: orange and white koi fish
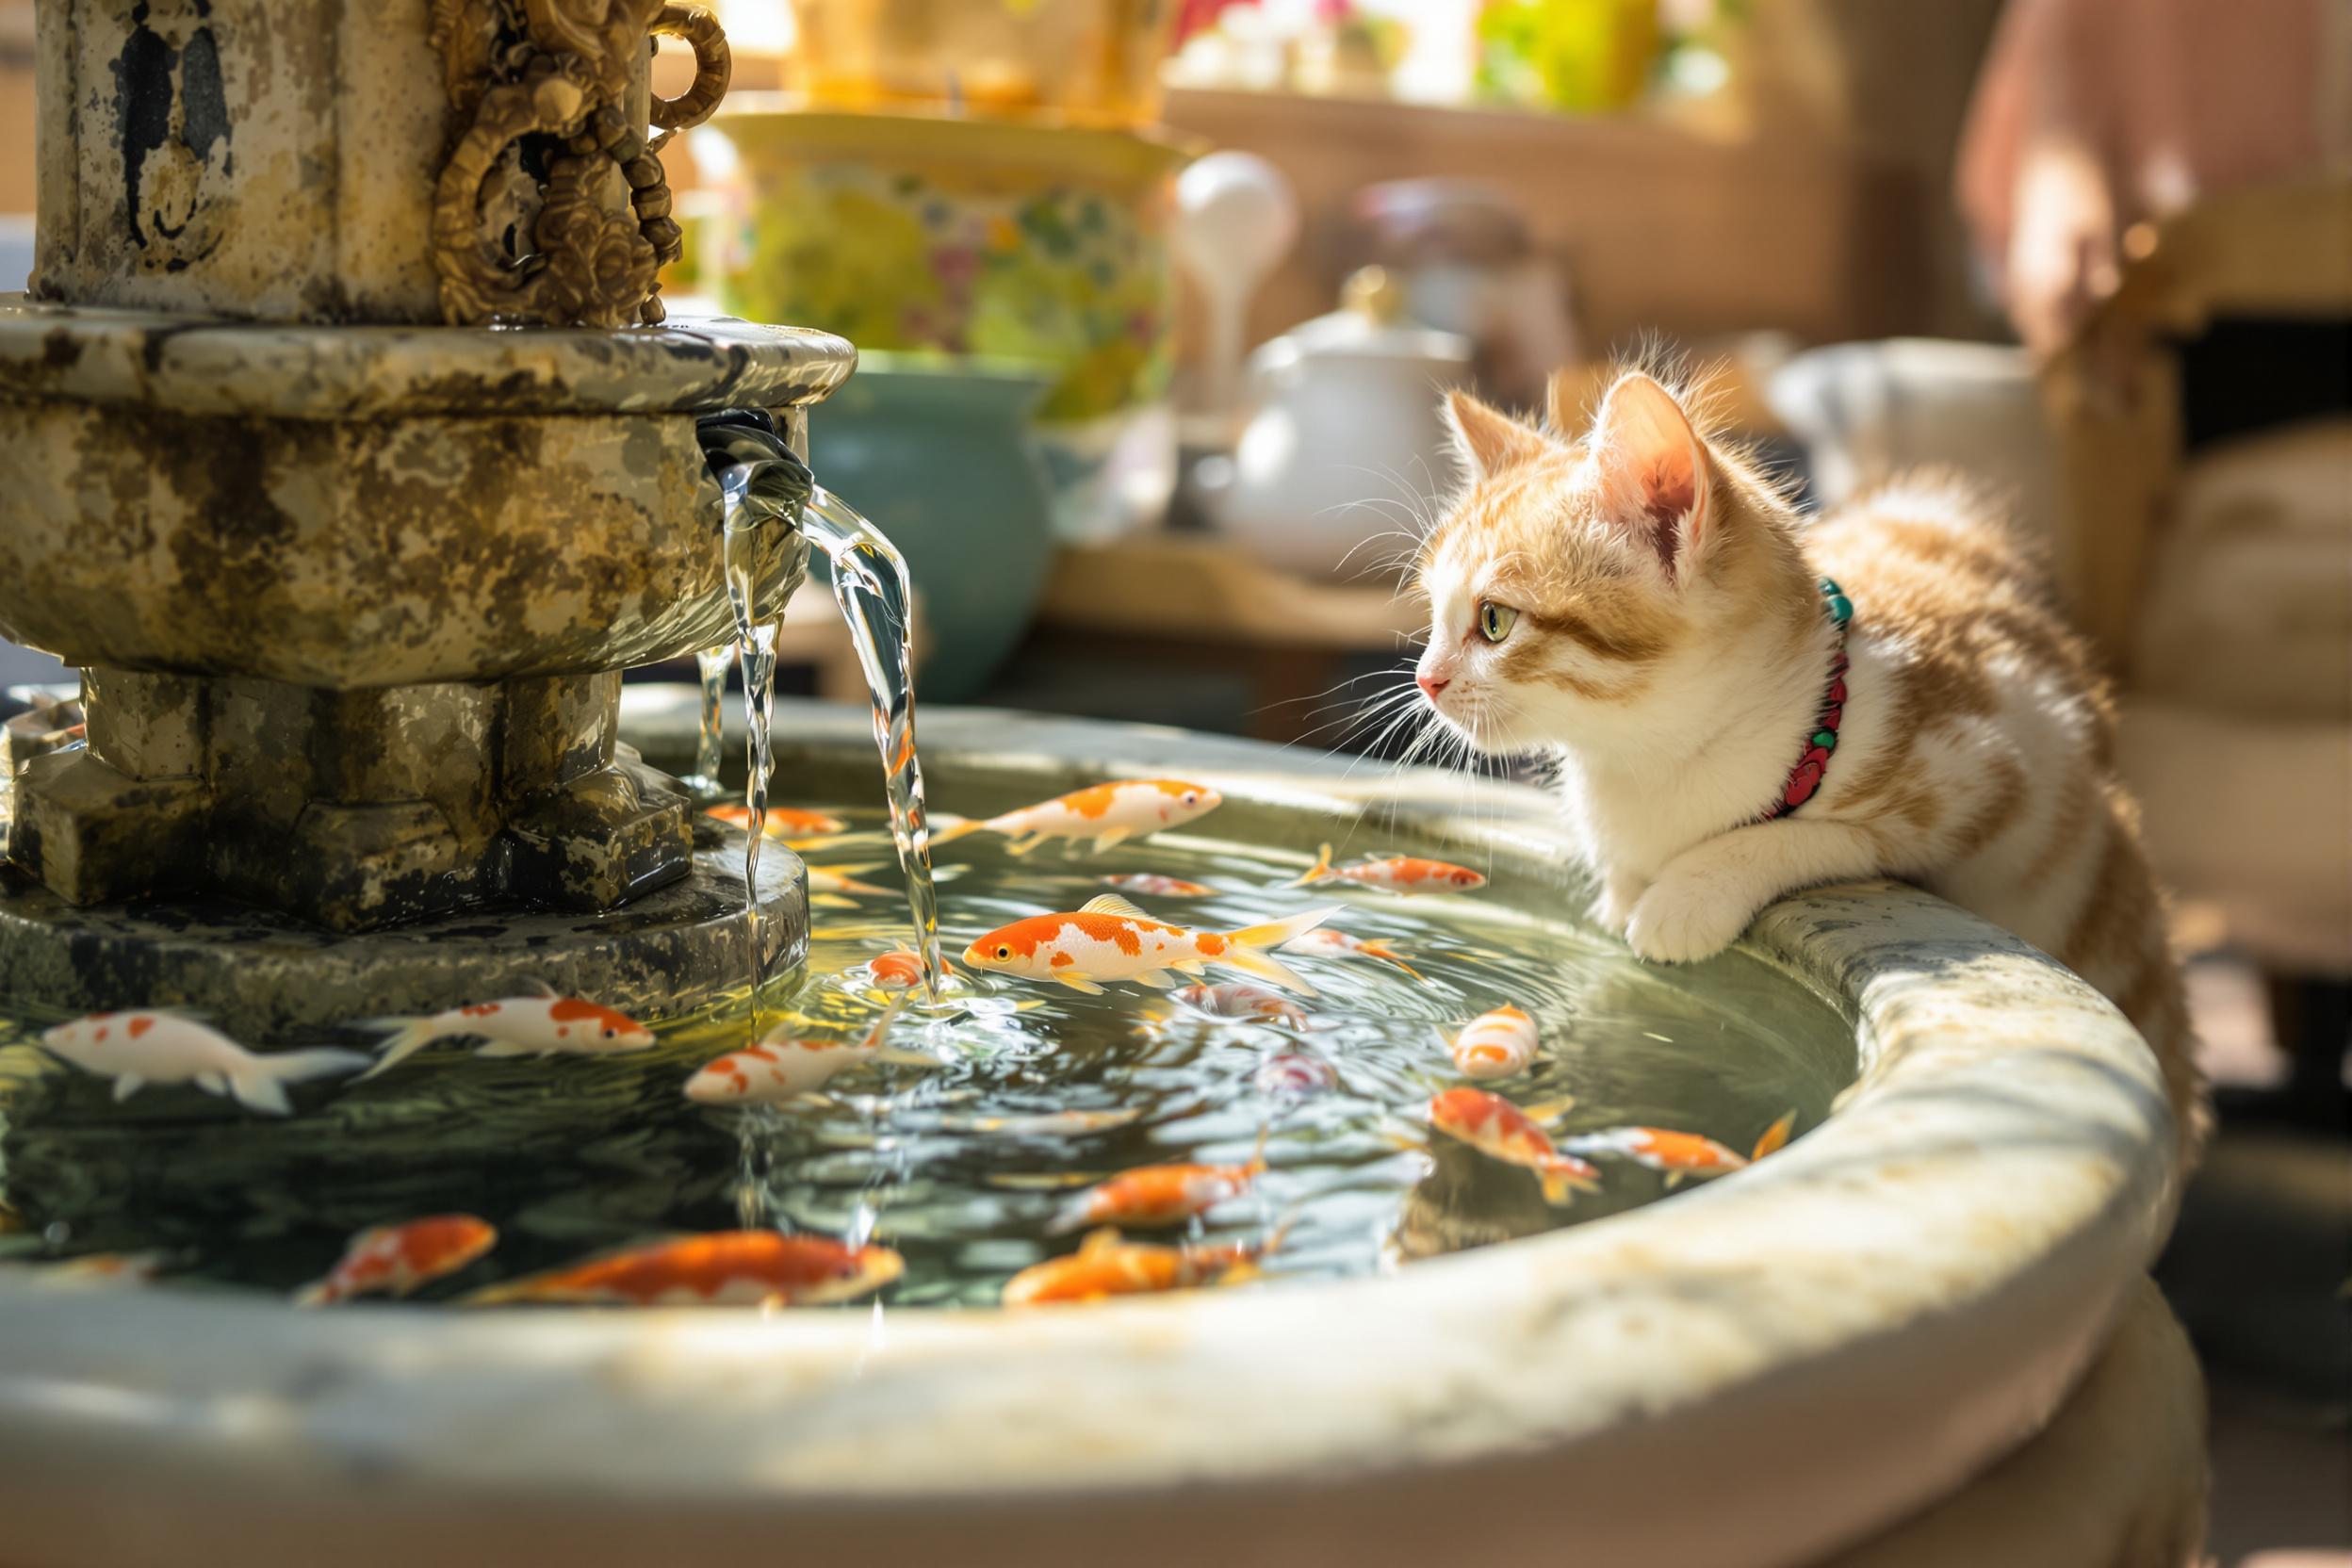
x: 516, y: 1026
x: 1678, y: 1154
x: 1775, y: 1137
x: 725, y: 1268
x: 1153, y: 1197
x: 1242, y: 999
x: 1107, y: 813
x: 1339, y: 945
x: 138, y: 1049
x: 780, y: 821
x: 782, y: 1066
x: 1501, y: 1130
x: 1109, y: 939
x: 841, y: 882
x: 1045, y: 1125
x: 1105, y: 1265
x: 396, y: 1259
x: 1294, y: 1076
x: 897, y: 970
x: 1494, y: 1044
x: 1397, y: 873
x: 1152, y: 884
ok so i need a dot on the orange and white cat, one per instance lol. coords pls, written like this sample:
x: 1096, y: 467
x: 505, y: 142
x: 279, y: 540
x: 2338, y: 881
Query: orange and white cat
x: 1738, y: 707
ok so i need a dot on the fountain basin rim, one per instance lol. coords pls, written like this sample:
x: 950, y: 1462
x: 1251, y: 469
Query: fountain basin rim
x: 196, y: 364
x: 1948, y: 1250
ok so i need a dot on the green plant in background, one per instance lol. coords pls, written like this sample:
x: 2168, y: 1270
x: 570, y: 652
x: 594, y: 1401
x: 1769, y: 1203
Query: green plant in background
x: 1585, y: 55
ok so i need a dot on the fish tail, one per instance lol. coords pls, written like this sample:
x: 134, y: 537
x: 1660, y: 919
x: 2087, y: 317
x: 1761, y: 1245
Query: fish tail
x: 1563, y: 1181
x: 954, y: 831
x: 1316, y: 873
x: 1775, y: 1137
x: 408, y: 1037
x: 260, y: 1083
x: 1388, y: 954
x: 316, y: 1294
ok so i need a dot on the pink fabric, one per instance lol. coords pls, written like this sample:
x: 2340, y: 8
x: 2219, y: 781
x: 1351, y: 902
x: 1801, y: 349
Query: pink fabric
x: 2091, y: 115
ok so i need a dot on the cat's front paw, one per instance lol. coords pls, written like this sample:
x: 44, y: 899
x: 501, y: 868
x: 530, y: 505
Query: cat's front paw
x: 1681, y: 919
x: 1620, y: 891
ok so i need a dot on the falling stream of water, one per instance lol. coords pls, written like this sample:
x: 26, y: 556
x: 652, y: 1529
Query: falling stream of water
x: 710, y: 741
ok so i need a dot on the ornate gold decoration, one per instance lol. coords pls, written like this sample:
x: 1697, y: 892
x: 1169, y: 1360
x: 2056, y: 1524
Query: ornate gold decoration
x: 562, y: 72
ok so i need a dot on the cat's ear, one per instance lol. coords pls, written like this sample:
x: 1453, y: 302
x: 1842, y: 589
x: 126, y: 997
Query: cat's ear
x: 1487, y: 440
x: 1654, y: 470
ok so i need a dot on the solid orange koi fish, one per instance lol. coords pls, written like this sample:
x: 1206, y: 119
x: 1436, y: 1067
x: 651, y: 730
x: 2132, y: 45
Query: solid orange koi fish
x: 516, y: 1026
x: 1153, y: 1197
x: 1107, y: 813
x: 1501, y: 1130
x: 138, y: 1049
x: 1397, y: 873
x: 1775, y: 1137
x: 1151, y: 885
x: 1494, y: 1044
x: 396, y: 1259
x: 1240, y: 999
x: 1339, y: 945
x: 780, y: 821
x: 726, y: 1269
x: 1105, y: 1265
x: 897, y: 970
x: 1109, y: 939
x: 1678, y: 1154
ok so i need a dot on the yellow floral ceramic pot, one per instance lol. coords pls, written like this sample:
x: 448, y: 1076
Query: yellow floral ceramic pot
x: 1021, y: 241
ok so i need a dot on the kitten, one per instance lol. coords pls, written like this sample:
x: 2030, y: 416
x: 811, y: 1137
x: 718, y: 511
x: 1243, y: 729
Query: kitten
x: 1643, y: 606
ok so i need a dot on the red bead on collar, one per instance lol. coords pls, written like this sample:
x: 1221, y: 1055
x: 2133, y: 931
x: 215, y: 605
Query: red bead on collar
x: 1805, y: 780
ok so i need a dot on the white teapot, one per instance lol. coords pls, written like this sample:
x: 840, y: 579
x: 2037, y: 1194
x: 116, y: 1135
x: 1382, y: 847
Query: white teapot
x: 1346, y: 423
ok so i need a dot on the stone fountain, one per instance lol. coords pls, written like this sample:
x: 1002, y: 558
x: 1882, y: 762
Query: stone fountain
x: 345, y: 447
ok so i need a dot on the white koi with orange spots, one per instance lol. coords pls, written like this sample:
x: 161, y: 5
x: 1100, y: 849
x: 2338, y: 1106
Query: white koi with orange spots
x: 1677, y: 1154
x: 1339, y: 945
x: 141, y: 1048
x: 517, y: 1026
x: 1107, y: 813
x: 1494, y: 1044
x: 783, y: 1065
x: 1109, y: 939
x: 1394, y: 873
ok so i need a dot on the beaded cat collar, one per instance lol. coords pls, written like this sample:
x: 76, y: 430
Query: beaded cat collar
x: 1805, y: 780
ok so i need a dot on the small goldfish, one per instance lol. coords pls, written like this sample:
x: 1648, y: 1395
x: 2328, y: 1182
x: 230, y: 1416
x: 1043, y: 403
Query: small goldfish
x: 1494, y: 1044
x: 1109, y: 939
x: 1240, y: 999
x: 1775, y: 1137
x: 897, y: 970
x: 396, y: 1259
x: 1153, y: 1197
x: 1678, y: 1154
x: 1151, y: 885
x: 1107, y: 813
x: 1105, y: 1265
x: 1294, y: 1076
x: 841, y: 882
x: 1397, y: 873
x: 1501, y: 1130
x: 1339, y: 945
x: 725, y: 1268
x: 780, y: 821
x: 516, y: 1026
x: 781, y: 1066
x: 138, y: 1049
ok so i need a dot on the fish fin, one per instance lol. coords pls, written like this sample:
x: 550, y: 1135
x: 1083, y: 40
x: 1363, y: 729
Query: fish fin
x: 1158, y: 979
x: 960, y: 829
x: 1549, y: 1110
x: 259, y: 1084
x: 1085, y: 987
x: 1190, y: 966
x: 127, y: 1084
x: 1316, y: 873
x: 1022, y: 846
x: 1775, y: 1137
x: 1068, y: 1216
x: 1388, y: 954
x: 1111, y: 839
x: 539, y: 987
x: 831, y: 901
x: 1250, y: 961
x: 508, y: 1048
x: 1242, y: 951
x: 1099, y: 1241
x: 408, y: 1037
x: 1675, y: 1178
x: 1111, y: 904
x: 213, y: 1083
x: 316, y: 1294
x: 1562, y: 1182
x: 1443, y: 1038
x: 1245, y: 1272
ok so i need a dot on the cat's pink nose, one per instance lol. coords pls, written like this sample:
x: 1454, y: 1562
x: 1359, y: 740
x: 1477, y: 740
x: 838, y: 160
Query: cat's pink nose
x: 1431, y: 685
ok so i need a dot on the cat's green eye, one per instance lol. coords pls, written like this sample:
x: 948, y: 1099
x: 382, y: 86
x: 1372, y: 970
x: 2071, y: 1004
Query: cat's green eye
x: 1495, y: 620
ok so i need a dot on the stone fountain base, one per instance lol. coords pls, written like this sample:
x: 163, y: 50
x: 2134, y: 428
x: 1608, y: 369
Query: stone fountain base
x: 270, y: 979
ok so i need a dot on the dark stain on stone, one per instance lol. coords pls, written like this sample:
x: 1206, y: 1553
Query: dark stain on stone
x: 143, y: 78
x: 60, y: 349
